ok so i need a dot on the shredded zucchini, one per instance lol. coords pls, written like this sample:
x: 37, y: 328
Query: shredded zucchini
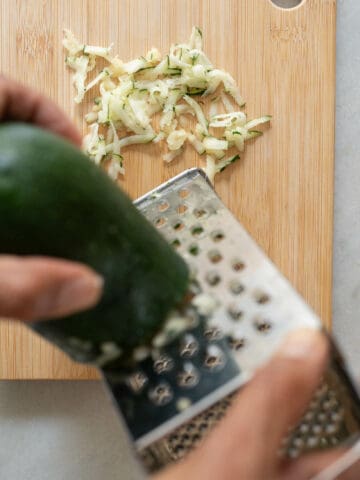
x: 128, y: 96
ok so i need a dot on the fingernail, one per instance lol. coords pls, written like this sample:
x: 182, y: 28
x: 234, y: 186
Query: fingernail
x: 300, y: 343
x: 78, y: 294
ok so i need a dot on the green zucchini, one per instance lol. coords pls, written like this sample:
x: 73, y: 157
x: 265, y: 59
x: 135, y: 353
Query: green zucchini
x: 54, y: 201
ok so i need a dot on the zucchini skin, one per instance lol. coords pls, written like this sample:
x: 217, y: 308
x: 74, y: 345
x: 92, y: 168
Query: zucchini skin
x: 54, y: 201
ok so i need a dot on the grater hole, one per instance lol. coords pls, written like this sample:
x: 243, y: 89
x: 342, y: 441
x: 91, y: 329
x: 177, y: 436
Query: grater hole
x: 321, y: 417
x: 185, y: 438
x: 190, y: 428
x: 195, y: 429
x: 235, y: 312
x: 217, y: 236
x: 161, y: 394
x: 236, y: 287
x: 197, y: 231
x: 212, y: 334
x: 179, y: 451
x: 214, y: 359
x: 214, y: 256
x: 212, y: 278
x: 194, y: 249
x: 163, y: 364
x: 181, y: 209
x: 176, y: 243
x: 188, y: 377
x: 330, y: 404
x: 263, y: 325
x: 160, y: 222
x: 137, y: 381
x: 299, y: 442
x: 293, y: 452
x: 312, y: 442
x: 184, y: 193
x: 237, y: 343
x: 261, y: 298
x: 336, y: 417
x: 163, y: 206
x: 199, y: 212
x: 331, y: 429
x: 188, y: 346
x: 304, y: 428
x: 317, y: 429
x: 178, y: 226
x: 237, y: 265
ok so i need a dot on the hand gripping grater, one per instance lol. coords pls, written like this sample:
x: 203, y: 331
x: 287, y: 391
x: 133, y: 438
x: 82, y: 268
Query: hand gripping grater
x: 242, y: 310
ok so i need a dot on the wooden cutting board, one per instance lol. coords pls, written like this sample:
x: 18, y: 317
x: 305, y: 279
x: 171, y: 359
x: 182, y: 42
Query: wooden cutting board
x: 284, y: 62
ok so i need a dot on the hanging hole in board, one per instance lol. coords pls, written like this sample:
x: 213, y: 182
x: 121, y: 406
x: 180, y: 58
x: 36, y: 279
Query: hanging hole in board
x: 287, y: 4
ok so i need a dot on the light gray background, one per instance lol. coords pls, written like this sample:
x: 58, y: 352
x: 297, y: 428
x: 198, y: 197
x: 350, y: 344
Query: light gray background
x: 69, y: 430
x: 346, y: 303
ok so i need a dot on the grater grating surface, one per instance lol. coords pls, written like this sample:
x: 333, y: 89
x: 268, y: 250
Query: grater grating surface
x: 175, y: 396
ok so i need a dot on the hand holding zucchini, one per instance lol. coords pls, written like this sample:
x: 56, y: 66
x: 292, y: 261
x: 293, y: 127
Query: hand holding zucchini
x: 55, y: 202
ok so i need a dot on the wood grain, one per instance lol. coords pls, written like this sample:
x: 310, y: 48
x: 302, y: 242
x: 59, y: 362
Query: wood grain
x: 282, y: 190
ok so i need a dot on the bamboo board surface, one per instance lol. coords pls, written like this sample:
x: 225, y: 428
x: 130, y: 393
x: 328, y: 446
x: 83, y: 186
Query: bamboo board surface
x: 284, y: 62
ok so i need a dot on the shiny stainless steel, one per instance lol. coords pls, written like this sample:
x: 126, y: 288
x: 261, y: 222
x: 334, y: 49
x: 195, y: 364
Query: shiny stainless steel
x: 256, y: 308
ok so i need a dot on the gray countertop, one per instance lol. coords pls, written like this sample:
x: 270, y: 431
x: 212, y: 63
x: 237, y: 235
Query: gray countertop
x: 61, y: 431
x: 69, y: 431
x: 346, y: 293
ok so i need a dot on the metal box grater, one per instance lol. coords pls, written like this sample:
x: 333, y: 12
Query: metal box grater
x: 179, y: 391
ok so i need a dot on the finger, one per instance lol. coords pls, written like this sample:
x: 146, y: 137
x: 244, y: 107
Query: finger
x: 19, y: 103
x: 311, y: 465
x: 32, y: 288
x: 281, y: 391
x: 246, y: 442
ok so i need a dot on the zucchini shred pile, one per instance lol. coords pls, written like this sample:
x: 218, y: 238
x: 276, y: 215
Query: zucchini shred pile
x: 157, y: 98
